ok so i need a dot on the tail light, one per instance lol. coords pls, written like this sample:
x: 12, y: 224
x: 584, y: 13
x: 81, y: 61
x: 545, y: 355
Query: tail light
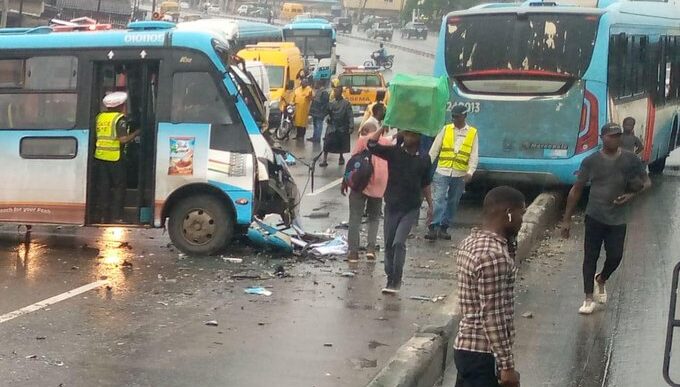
x: 588, y: 133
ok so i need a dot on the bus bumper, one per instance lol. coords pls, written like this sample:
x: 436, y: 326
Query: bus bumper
x: 530, y: 171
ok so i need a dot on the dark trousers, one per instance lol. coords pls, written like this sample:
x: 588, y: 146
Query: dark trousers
x: 475, y: 369
x: 110, y: 189
x: 300, y: 132
x: 597, y: 233
x: 397, y: 226
x: 358, y: 202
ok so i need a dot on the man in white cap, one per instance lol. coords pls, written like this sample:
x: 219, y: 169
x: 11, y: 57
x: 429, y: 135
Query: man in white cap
x: 109, y: 169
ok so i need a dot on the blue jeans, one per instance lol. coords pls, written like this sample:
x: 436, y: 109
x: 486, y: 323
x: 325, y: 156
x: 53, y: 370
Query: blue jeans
x: 318, y: 128
x: 447, y: 192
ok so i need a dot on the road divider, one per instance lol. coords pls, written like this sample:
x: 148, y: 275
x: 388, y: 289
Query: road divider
x: 423, y: 359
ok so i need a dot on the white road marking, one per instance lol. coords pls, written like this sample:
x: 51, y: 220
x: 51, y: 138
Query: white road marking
x: 325, y: 187
x: 50, y: 301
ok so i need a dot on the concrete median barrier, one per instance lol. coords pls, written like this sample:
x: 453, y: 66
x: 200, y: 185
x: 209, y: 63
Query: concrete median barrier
x: 423, y: 359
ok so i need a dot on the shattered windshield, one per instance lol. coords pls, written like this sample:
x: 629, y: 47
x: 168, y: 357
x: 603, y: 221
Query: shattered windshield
x: 558, y: 43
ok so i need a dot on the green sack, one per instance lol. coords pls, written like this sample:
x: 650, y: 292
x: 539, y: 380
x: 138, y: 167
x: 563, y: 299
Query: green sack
x: 417, y: 103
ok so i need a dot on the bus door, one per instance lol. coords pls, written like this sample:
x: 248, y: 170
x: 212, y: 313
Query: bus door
x: 45, y: 143
x: 135, y: 189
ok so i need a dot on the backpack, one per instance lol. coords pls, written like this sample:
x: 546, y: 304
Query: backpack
x: 358, y: 171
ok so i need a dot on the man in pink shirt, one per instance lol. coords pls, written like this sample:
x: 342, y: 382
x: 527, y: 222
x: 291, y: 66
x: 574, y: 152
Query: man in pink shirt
x: 371, y: 197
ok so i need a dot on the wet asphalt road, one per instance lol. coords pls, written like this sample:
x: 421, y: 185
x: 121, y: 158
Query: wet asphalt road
x: 622, y: 344
x: 146, y: 324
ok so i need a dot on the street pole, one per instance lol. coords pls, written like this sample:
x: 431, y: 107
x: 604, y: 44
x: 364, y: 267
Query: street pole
x: 21, y: 13
x: 5, y: 11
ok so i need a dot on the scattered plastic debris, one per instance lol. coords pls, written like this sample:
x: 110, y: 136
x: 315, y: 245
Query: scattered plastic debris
x: 348, y: 274
x: 32, y: 357
x: 328, y: 344
x: 162, y: 303
x: 426, y: 298
x: 528, y: 315
x: 232, y: 260
x: 211, y: 323
x: 318, y: 215
x: 336, y: 246
x: 260, y: 291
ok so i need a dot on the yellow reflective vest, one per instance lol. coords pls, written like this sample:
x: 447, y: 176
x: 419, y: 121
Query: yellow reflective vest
x: 108, y: 145
x: 448, y: 157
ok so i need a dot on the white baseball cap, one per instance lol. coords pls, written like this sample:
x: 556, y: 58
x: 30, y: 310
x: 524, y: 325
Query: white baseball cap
x: 115, y: 99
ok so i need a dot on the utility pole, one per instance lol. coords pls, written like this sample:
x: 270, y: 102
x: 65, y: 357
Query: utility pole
x: 5, y: 11
x: 21, y: 12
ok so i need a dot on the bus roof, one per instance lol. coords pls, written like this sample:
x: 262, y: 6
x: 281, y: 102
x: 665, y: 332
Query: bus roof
x: 232, y: 27
x: 138, y: 34
x: 309, y: 24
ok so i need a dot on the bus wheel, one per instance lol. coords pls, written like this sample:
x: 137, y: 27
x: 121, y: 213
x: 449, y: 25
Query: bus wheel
x: 200, y: 225
x: 657, y: 167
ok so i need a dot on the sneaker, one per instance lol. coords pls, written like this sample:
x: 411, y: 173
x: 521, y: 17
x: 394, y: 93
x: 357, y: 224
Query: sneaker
x: 353, y: 257
x: 323, y: 164
x: 442, y: 234
x: 388, y: 290
x: 370, y: 255
x: 600, y: 292
x: 588, y: 307
x: 431, y: 234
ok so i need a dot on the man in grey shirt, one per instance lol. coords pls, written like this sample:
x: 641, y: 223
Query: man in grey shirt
x: 615, y: 178
x: 629, y: 141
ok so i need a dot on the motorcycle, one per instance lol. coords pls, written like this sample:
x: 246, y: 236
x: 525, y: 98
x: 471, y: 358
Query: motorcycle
x: 283, y: 131
x: 386, y: 62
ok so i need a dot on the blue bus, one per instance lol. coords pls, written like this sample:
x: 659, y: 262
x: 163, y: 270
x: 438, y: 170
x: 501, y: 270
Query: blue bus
x: 238, y: 33
x: 316, y: 40
x: 540, y: 79
x: 200, y: 164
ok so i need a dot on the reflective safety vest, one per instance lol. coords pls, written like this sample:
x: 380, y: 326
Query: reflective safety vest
x: 108, y: 145
x: 448, y: 157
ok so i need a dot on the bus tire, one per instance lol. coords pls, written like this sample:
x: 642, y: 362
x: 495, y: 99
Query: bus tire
x: 657, y: 167
x: 201, y: 225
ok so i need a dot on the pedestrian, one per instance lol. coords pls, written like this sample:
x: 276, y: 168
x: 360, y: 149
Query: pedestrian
x: 319, y: 110
x: 456, y: 149
x: 370, y: 199
x: 109, y: 167
x: 379, y: 99
x: 615, y: 178
x: 340, y: 125
x: 629, y: 141
x: 408, y: 181
x: 302, y: 99
x: 486, y: 294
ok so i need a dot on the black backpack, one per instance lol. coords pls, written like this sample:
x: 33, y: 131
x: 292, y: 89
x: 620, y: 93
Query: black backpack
x: 358, y: 171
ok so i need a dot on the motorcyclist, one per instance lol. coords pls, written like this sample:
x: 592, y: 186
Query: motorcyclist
x: 380, y: 55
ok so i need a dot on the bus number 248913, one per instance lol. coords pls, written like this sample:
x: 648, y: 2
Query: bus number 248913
x: 472, y: 107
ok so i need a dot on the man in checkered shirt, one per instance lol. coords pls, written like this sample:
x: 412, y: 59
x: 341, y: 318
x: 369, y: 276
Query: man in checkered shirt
x: 486, y: 293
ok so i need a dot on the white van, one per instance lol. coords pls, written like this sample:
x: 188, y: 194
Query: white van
x: 259, y: 72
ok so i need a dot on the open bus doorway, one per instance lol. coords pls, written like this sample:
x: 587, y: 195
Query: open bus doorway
x: 139, y: 79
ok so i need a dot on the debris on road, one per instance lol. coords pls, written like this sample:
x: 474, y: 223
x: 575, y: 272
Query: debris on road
x: 342, y: 226
x: 32, y: 357
x: 281, y: 272
x: 265, y: 234
x: 426, y: 298
x: 40, y: 338
x: 375, y: 344
x: 247, y: 275
x: 232, y: 260
x: 260, y: 291
x: 125, y: 245
x: 162, y: 303
x: 364, y: 363
x: 337, y: 246
x: 348, y: 274
x: 528, y: 315
x: 328, y: 344
x: 318, y: 215
x: 211, y: 323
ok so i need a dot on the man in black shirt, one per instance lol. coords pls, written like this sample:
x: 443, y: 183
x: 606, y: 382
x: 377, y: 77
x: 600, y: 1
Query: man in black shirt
x: 408, y: 181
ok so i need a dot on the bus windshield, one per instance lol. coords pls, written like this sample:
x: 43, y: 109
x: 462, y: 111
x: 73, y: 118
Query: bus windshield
x: 317, y: 43
x: 275, y: 75
x: 547, y: 43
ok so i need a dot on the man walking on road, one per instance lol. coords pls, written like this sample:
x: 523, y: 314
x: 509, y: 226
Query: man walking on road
x: 319, y: 111
x: 456, y: 148
x: 486, y: 294
x: 408, y: 181
x: 615, y: 178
